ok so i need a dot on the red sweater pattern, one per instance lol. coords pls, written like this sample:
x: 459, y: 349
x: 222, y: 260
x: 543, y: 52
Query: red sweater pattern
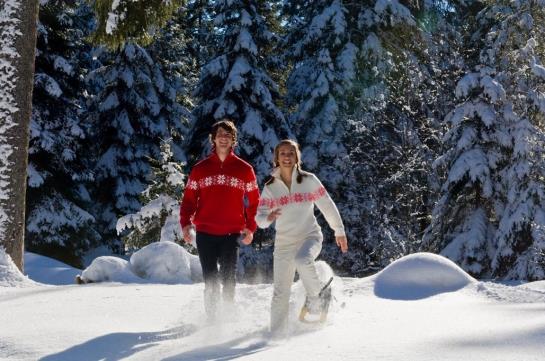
x: 220, y: 197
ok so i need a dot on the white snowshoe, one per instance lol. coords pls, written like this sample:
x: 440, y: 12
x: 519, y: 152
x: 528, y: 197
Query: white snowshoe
x: 324, y: 299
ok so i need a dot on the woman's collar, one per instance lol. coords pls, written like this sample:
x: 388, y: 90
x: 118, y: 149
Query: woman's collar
x: 276, y: 172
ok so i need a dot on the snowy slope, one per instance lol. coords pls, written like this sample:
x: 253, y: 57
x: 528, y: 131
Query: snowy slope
x: 445, y: 315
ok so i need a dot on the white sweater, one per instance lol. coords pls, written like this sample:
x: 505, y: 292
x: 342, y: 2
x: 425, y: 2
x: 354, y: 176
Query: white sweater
x: 297, y: 221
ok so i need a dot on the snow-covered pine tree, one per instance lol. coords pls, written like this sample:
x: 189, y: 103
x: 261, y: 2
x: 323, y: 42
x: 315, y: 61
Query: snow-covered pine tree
x: 465, y: 218
x: 322, y: 52
x: 158, y: 220
x: 197, y: 17
x: 119, y: 21
x: 319, y: 46
x: 235, y: 84
x: 353, y: 64
x: 58, y: 223
x: 132, y: 109
x: 174, y: 50
x: 514, y: 46
x: 391, y: 137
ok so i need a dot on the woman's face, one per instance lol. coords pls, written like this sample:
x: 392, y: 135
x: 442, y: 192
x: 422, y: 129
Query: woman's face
x: 287, y: 156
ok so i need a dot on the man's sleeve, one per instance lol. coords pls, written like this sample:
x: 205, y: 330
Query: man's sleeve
x: 252, y: 194
x: 189, y: 201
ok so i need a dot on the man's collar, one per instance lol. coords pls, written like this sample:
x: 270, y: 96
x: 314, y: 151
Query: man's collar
x: 215, y: 155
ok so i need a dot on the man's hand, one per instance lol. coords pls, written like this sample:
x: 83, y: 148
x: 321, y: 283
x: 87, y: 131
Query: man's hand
x: 248, y: 236
x: 187, y: 233
x: 342, y: 242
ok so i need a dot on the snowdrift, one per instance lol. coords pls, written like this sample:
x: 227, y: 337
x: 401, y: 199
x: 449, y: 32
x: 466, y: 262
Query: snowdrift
x: 10, y: 276
x: 47, y: 270
x: 159, y: 262
x: 418, y: 276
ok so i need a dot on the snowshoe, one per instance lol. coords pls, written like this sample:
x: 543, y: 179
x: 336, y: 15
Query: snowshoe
x: 309, y: 308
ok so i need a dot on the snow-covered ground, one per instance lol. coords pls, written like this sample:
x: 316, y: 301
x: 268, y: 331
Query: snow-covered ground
x: 421, y: 307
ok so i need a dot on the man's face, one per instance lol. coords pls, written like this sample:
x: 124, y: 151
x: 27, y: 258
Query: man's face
x: 223, y: 140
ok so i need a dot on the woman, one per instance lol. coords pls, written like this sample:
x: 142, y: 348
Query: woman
x: 288, y: 198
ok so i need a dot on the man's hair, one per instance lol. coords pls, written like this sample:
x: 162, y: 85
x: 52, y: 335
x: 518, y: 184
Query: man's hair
x: 227, y: 125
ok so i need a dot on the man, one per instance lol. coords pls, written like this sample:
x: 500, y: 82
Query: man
x: 214, y: 201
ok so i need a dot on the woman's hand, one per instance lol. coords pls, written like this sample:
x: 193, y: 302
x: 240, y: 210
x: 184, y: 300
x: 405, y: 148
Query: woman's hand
x: 248, y: 236
x: 342, y: 242
x: 274, y: 215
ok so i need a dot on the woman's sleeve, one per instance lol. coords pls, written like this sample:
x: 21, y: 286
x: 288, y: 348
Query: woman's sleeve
x: 328, y: 208
x: 264, y: 209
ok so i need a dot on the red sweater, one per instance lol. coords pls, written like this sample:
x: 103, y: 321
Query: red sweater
x: 214, y: 196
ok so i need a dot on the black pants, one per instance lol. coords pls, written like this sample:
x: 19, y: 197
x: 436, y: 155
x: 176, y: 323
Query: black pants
x: 217, y: 251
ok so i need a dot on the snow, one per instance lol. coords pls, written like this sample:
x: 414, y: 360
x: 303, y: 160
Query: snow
x: 111, y: 23
x: 49, y: 271
x: 245, y: 41
x: 62, y: 64
x: 109, y: 269
x: 418, y: 276
x: 493, y: 89
x: 163, y: 262
x: 236, y: 78
x: 466, y: 84
x: 159, y: 262
x: 8, y: 105
x: 400, y: 14
x: 537, y: 69
x: 10, y: 276
x: 458, y: 319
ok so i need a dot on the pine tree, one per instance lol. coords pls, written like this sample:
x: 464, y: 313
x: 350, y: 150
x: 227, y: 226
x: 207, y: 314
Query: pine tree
x: 132, y: 109
x: 465, y: 218
x: 158, y: 219
x: 324, y: 58
x: 199, y: 29
x: 489, y: 218
x: 513, y: 46
x: 234, y: 84
x: 353, y: 64
x: 58, y: 221
x: 136, y: 21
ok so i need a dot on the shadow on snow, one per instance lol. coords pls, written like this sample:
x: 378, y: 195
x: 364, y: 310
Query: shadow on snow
x: 117, y: 346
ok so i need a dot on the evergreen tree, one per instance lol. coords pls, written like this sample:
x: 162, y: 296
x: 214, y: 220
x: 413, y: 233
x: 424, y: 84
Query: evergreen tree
x: 58, y: 222
x: 137, y: 21
x: 324, y: 67
x: 159, y: 218
x: 354, y: 65
x: 489, y: 218
x: 513, y: 46
x: 234, y: 84
x: 132, y: 109
x: 199, y: 29
x: 464, y: 218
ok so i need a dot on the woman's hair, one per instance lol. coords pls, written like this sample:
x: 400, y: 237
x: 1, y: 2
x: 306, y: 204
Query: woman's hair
x: 298, y: 162
x: 227, y: 125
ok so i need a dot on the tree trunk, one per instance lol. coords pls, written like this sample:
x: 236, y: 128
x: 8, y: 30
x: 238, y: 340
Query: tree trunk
x: 17, y: 46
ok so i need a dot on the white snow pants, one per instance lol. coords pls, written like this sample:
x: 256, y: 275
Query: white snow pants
x: 289, y: 257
